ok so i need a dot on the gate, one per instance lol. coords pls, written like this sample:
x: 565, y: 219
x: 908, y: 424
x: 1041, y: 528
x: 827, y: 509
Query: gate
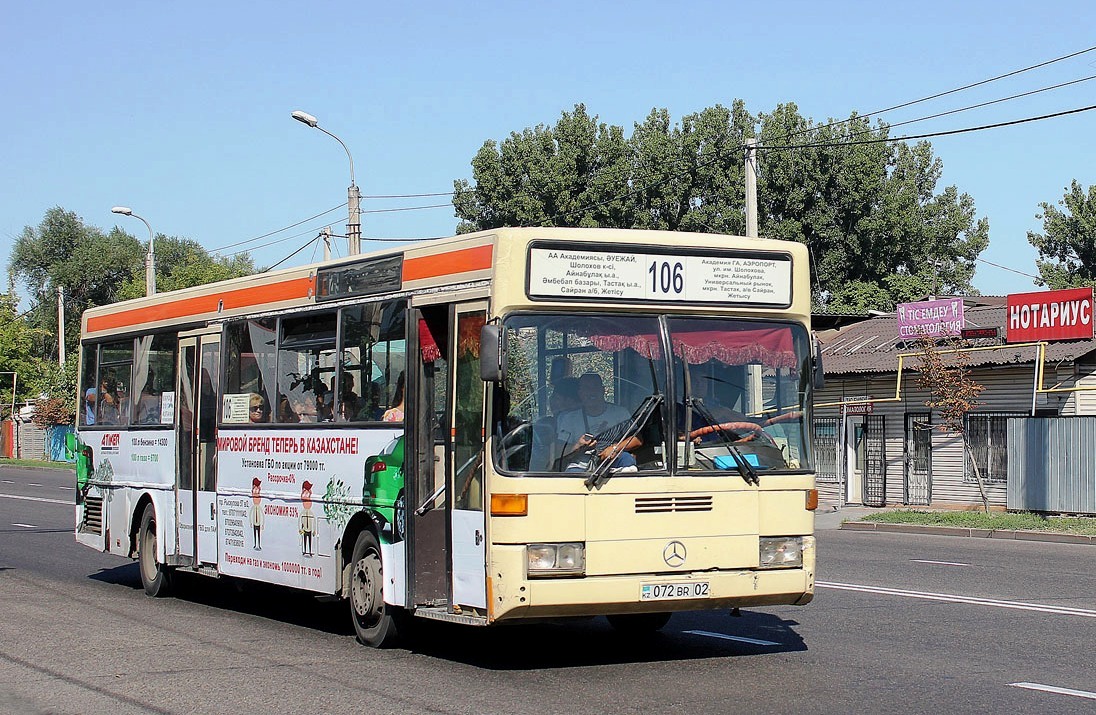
x: 825, y: 450
x: 918, y: 459
x: 875, y: 467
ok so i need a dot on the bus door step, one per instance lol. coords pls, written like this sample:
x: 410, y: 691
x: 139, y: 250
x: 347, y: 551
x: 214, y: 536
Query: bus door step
x: 443, y: 614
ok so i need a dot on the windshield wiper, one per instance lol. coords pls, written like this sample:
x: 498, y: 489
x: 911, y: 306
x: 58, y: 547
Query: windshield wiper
x: 639, y: 419
x: 744, y: 467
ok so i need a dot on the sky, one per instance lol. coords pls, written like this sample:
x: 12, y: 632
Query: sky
x: 181, y: 111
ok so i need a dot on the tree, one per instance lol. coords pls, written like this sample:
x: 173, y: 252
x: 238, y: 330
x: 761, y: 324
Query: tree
x: 88, y: 265
x: 17, y: 340
x: 952, y: 391
x: 684, y: 177
x: 867, y: 209
x: 878, y: 231
x: 182, y: 263
x: 1067, y: 246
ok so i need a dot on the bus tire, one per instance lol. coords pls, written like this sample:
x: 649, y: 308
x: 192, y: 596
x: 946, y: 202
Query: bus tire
x: 638, y: 623
x: 374, y: 620
x: 155, y: 577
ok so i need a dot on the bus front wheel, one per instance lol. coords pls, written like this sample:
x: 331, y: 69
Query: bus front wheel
x: 374, y: 621
x: 638, y: 623
x: 155, y: 577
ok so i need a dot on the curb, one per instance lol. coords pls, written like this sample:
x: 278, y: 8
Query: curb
x: 963, y: 531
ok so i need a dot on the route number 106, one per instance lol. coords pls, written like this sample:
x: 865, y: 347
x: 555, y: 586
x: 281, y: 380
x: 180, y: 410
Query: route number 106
x: 667, y: 277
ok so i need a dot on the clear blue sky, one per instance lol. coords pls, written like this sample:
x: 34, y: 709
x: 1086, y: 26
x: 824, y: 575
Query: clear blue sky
x: 181, y: 110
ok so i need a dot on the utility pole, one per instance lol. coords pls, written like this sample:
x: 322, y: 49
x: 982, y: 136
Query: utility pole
x: 353, y: 226
x: 751, y: 188
x: 325, y: 234
x: 60, y: 326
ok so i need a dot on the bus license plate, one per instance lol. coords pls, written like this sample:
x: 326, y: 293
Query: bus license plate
x: 673, y: 591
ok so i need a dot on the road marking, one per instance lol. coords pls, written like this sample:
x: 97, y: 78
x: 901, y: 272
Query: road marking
x: 724, y: 636
x: 951, y: 598
x: 33, y: 484
x: 7, y: 481
x: 41, y: 499
x: 26, y: 526
x: 67, y: 489
x: 1055, y: 689
x: 939, y: 563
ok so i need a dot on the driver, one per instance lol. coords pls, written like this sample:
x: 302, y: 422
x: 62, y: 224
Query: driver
x: 576, y: 429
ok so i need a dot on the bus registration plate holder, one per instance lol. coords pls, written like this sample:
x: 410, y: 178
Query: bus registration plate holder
x: 673, y: 591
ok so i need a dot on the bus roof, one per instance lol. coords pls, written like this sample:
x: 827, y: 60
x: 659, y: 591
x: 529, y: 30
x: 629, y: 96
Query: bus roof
x: 417, y: 265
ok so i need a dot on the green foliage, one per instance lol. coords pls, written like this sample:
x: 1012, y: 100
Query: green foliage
x: 183, y: 263
x: 87, y: 264
x: 1019, y: 521
x: 1067, y: 246
x: 878, y: 231
x: 17, y: 344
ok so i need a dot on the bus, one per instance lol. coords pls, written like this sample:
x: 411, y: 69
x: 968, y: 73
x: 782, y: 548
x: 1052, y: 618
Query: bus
x: 504, y: 426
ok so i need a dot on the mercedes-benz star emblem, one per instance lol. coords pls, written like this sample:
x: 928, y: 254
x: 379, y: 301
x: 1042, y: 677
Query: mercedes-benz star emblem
x: 674, y: 554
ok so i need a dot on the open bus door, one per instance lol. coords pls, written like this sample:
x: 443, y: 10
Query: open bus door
x: 196, y: 474
x: 446, y: 524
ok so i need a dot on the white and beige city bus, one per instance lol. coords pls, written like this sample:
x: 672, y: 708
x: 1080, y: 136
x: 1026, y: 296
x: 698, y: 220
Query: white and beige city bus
x: 507, y: 425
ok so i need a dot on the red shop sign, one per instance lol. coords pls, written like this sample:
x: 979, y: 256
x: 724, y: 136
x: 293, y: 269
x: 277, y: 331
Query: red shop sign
x: 1049, y: 315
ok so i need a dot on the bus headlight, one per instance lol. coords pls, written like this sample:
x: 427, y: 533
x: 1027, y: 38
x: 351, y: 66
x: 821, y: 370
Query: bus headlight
x: 546, y: 560
x: 780, y: 552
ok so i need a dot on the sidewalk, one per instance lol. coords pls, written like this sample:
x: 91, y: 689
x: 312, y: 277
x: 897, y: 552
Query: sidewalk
x: 831, y: 516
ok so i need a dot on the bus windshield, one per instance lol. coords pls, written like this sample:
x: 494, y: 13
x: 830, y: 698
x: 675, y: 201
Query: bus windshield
x: 594, y: 396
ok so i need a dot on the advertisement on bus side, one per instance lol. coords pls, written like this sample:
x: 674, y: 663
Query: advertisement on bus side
x: 286, y: 496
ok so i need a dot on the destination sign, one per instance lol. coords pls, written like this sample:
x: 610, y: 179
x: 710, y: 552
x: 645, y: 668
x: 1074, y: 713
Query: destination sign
x: 717, y: 277
x: 371, y: 277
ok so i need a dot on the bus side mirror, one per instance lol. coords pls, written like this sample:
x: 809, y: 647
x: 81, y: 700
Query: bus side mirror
x: 819, y: 375
x: 492, y: 356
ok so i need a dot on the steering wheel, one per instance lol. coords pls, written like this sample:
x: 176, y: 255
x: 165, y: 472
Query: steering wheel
x: 755, y: 430
x: 516, y: 440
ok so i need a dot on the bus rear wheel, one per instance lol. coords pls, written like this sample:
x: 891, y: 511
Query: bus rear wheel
x: 155, y: 577
x: 638, y: 623
x: 374, y: 620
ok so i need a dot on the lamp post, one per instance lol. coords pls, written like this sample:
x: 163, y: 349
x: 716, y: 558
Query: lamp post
x: 150, y: 259
x: 353, y: 197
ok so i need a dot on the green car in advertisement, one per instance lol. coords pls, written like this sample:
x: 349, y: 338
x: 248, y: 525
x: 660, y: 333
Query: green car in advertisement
x: 383, y: 488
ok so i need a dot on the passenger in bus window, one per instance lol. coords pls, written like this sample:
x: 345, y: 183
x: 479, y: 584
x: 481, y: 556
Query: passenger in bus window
x: 148, y: 404
x: 372, y: 408
x: 107, y: 399
x: 257, y: 408
x: 395, y: 413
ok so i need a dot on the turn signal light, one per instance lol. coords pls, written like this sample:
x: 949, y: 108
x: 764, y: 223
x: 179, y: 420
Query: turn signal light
x: 812, y: 499
x: 509, y: 504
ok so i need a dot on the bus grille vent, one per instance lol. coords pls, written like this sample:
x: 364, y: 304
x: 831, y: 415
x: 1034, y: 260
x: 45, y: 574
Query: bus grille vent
x: 93, y: 515
x: 662, y: 505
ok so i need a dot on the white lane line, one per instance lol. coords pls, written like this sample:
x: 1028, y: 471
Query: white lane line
x: 25, y: 526
x: 972, y: 600
x: 67, y: 489
x: 724, y: 636
x: 33, y: 484
x: 66, y: 502
x: 939, y: 563
x: 7, y: 481
x: 1055, y: 689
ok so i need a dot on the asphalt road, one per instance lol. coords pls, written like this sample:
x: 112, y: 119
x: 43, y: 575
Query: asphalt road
x: 901, y: 623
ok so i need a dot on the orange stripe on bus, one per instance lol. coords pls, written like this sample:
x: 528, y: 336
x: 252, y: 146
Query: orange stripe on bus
x: 465, y: 260
x: 187, y: 307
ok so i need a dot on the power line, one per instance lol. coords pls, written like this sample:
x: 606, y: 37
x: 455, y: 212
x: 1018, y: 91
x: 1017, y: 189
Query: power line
x: 930, y: 135
x: 310, y: 241
x: 1006, y: 268
x: 408, y: 196
x: 292, y: 225
x: 944, y: 93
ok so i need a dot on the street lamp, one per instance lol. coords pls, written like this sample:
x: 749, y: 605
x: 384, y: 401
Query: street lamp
x: 353, y: 198
x: 150, y: 259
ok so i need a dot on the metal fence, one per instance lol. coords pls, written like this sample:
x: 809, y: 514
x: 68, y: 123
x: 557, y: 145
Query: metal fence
x: 1052, y: 465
